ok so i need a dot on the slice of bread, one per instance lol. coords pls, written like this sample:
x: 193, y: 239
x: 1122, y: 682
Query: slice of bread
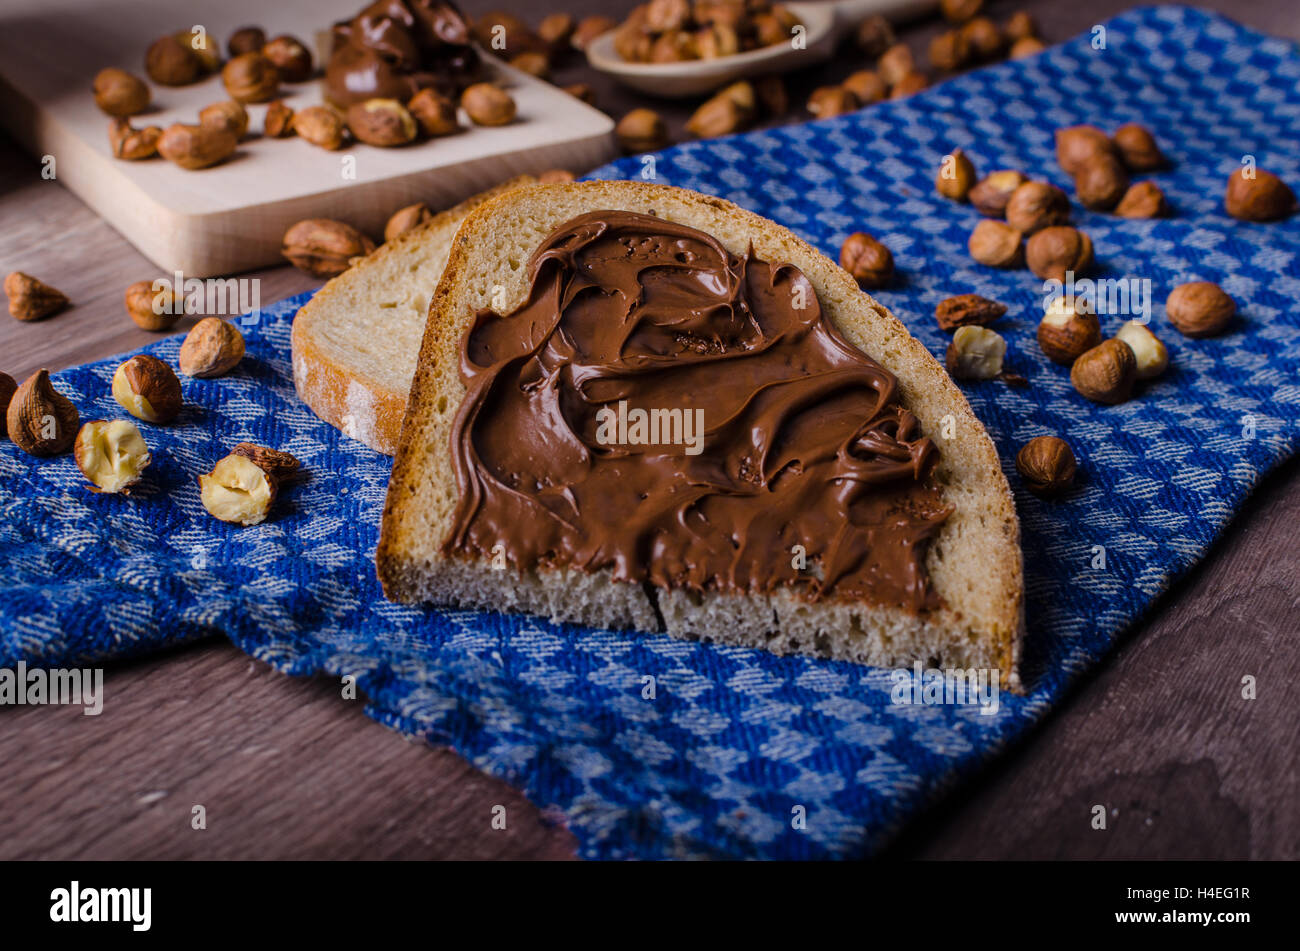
x: 356, y: 341
x: 974, y: 563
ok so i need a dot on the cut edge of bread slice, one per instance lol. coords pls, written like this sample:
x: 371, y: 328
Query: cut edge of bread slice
x: 356, y: 342
x: 974, y: 563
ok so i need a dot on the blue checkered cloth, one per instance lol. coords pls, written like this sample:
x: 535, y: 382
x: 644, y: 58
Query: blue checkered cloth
x: 736, y: 740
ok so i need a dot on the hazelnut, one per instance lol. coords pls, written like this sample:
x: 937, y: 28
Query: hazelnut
x: 1055, y: 252
x: 1143, y: 200
x: 41, y: 420
x: 291, y: 59
x: 983, y: 39
x: 869, y: 261
x: 966, y: 310
x: 581, y: 91
x: 641, y: 130
x: 534, y: 64
x: 1022, y: 49
x: 1047, y: 465
x: 1020, y: 25
x: 1076, y: 146
x: 1106, y: 373
x: 172, y: 62
x: 1037, y: 205
x: 991, y: 193
x: 251, y: 77
x: 213, y: 347
x: 133, y: 144
x: 589, y: 28
x: 119, y: 93
x: 895, y: 63
x: 772, y: 96
x: 874, y: 35
x: 435, y: 113
x: 828, y: 101
x: 1102, y: 182
x: 228, y: 115
x: 196, y: 146
x: 204, y: 47
x: 283, y: 465
x: 505, y: 33
x: 381, y: 122
x: 154, y: 309
x: 1200, y: 309
x: 867, y: 86
x: 407, y: 219
x: 909, y: 85
x: 239, y: 491
x: 147, y: 388
x: 713, y: 41
x: 742, y: 93
x: 1067, y: 331
x: 31, y: 299
x: 556, y: 29
x: 278, y: 122
x: 111, y: 455
x: 975, y: 354
x: 321, y: 125
x: 1151, y: 356
x: 949, y: 51
x: 720, y: 115
x: 324, y: 248
x: 1137, y: 147
x: 8, y: 387
x: 956, y: 176
x: 959, y: 11
x: 488, y: 104
x: 556, y: 176
x: 996, y: 244
x: 247, y: 39
x: 1265, y: 197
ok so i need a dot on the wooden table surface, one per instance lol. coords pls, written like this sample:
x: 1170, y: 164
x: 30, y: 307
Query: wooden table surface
x: 285, y: 768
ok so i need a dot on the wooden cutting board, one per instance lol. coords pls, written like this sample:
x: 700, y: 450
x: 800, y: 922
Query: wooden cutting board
x: 231, y: 217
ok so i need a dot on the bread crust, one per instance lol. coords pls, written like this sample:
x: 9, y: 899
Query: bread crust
x: 982, y: 625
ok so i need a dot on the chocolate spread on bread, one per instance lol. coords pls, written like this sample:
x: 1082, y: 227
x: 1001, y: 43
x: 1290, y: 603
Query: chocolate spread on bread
x: 688, y: 418
x: 394, y: 48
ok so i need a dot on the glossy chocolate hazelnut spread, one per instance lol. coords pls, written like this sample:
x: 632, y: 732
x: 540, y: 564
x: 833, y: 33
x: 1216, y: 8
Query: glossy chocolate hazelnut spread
x: 394, y: 48
x: 687, y: 418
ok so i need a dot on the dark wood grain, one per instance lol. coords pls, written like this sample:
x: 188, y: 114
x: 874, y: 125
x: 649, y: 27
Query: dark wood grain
x: 286, y: 768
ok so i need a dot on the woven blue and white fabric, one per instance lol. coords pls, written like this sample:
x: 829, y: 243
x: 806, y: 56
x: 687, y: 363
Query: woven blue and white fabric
x: 736, y: 741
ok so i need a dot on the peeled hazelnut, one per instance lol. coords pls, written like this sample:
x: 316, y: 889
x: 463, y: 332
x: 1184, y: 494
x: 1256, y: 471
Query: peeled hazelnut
x: 991, y: 193
x: 828, y: 101
x: 983, y: 38
x: 320, y: 125
x: 277, y: 462
x: 196, y: 146
x: 742, y: 93
x: 1037, y: 205
x: 41, y: 420
x: 581, y: 91
x: 975, y: 354
x: 1143, y: 200
x: 996, y: 244
x: 589, y: 28
x: 867, y: 86
x: 324, y: 248
x: 204, y: 47
x: 406, y: 219
x: 291, y: 59
x: 213, y: 347
x: 956, y: 176
x: 154, y: 309
x: 278, y: 122
x: 1102, y: 182
x: 1265, y: 197
x: 874, y: 35
x: 381, y: 122
x: 147, y: 388
x: 712, y: 41
x: 1047, y: 465
x: 133, y: 144
x: 31, y: 299
x: 170, y: 61
x: 238, y: 491
x: 1106, y: 373
x: 641, y: 130
x: 556, y: 29
x: 1055, y: 252
x: 8, y: 387
x: 251, y: 77
x: 895, y: 63
x: 556, y: 176
x: 1019, y: 26
x: 435, y: 113
x: 1151, y: 355
x: 1029, y: 46
x: 534, y: 64
x: 1137, y: 147
x: 1200, y: 309
x: 909, y: 85
x: 1067, y: 331
x: 111, y: 455
x: 248, y: 39
x: 869, y: 261
x: 959, y: 11
x: 967, y: 310
x: 949, y: 51
x: 228, y: 115
x: 119, y: 93
x: 719, y: 115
